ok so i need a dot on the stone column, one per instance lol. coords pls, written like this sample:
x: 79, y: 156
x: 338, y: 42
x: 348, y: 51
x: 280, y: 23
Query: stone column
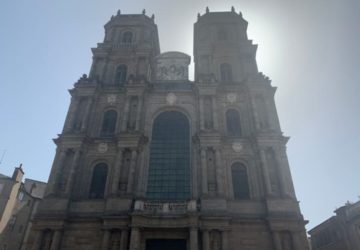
x: 139, y: 188
x: 93, y: 67
x: 296, y: 241
x: 126, y: 113
x: 132, y: 171
x: 193, y: 238
x: 225, y: 240
x: 71, y: 114
x: 277, y: 240
x: 219, y: 172
x: 280, y: 171
x: 215, y: 115
x: 134, y: 239
x: 74, y: 166
x: 285, y: 167
x: 84, y: 122
x: 56, y: 241
x: 206, y: 239
x: 117, y: 168
x: 195, y: 186
x: 104, y: 71
x: 55, y: 171
x: 124, y: 239
x: 37, y: 240
x: 256, y: 115
x: 204, y: 181
x: 145, y: 169
x: 201, y: 113
x: 265, y: 172
x: 105, y: 240
x: 138, y: 115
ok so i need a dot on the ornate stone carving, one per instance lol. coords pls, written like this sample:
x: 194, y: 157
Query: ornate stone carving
x: 103, y: 147
x: 231, y: 97
x: 172, y: 66
x: 171, y: 98
x: 111, y: 99
x: 237, y: 147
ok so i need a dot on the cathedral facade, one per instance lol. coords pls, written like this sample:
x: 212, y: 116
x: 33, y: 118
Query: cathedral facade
x: 148, y: 159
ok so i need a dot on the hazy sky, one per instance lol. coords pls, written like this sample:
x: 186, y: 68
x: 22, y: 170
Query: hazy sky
x: 309, y: 48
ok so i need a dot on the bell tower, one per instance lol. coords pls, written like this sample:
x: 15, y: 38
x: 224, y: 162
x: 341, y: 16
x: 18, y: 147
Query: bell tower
x: 131, y: 42
x: 222, y: 50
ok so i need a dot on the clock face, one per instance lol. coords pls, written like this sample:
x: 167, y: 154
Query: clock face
x: 171, y: 98
x: 231, y: 97
x: 103, y: 147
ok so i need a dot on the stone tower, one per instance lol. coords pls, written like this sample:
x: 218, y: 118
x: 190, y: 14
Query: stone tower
x: 151, y: 160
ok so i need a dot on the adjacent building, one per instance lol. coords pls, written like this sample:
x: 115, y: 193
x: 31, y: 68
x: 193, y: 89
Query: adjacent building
x: 339, y: 232
x: 9, y: 190
x: 19, y: 202
x: 148, y: 159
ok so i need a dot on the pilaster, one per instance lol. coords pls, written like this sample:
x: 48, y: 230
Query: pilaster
x: 206, y: 239
x: 193, y: 238
x: 105, y: 240
x: 132, y: 169
x: 134, y: 239
x: 56, y: 241
x: 117, y: 168
x: 204, y: 181
x: 265, y: 172
x: 74, y: 166
x: 219, y: 172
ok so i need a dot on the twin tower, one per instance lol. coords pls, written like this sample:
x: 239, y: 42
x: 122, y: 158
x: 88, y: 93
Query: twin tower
x: 149, y: 160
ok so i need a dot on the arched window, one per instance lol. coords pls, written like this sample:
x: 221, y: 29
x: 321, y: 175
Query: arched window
x: 226, y: 72
x: 109, y: 123
x: 169, y: 166
x: 233, y: 123
x: 127, y: 37
x: 98, y: 181
x: 120, y: 74
x: 240, y: 181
